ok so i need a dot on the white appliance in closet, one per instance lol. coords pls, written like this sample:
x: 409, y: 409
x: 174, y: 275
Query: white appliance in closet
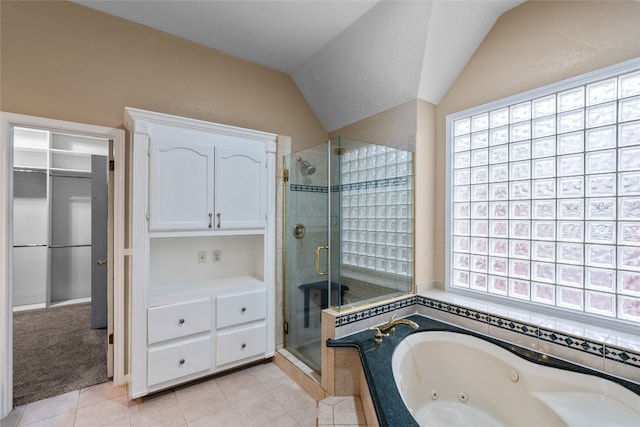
x: 58, y: 178
x: 202, y: 256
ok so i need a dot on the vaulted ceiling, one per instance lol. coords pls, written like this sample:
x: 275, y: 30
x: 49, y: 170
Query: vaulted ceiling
x: 350, y: 59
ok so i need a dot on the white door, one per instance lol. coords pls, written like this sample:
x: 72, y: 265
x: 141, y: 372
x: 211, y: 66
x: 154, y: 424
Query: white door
x: 181, y: 184
x: 240, y: 195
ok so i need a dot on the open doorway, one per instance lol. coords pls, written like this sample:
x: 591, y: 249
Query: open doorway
x: 64, y: 197
x: 60, y: 269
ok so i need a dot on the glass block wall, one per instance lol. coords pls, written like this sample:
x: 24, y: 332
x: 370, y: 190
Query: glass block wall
x: 376, y: 199
x: 545, y: 203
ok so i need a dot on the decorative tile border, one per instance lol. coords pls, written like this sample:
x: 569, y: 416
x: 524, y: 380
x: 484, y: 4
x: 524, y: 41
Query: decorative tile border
x: 308, y: 188
x: 570, y: 341
x: 365, y: 185
x: 599, y: 349
x: 620, y: 355
x: 367, y: 313
x: 514, y: 326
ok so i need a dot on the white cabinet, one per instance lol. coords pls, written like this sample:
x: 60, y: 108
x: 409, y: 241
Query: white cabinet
x: 181, y: 183
x: 180, y: 360
x: 171, y: 321
x: 203, y: 182
x: 240, y: 325
x: 240, y: 308
x: 240, y: 199
x: 202, y: 249
x: 241, y: 344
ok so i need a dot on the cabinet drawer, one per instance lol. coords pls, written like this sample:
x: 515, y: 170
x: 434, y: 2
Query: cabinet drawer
x: 178, y: 320
x: 179, y: 360
x: 241, y: 308
x: 241, y: 344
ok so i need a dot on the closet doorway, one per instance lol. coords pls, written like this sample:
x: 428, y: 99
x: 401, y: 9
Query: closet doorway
x: 60, y: 243
x: 60, y: 206
x: 59, y: 159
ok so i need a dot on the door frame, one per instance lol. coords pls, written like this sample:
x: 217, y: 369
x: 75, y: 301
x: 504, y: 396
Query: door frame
x: 117, y: 309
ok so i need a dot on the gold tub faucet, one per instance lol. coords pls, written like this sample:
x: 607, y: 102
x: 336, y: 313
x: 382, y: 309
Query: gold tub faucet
x: 387, y: 328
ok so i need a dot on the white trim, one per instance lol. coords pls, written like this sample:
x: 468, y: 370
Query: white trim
x: 6, y: 236
x: 119, y: 221
x: 7, y: 121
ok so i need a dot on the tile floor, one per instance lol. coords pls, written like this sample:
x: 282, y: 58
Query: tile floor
x: 261, y: 395
x: 341, y: 411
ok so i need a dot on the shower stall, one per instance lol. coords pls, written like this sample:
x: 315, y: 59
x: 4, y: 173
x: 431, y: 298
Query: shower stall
x: 348, y: 234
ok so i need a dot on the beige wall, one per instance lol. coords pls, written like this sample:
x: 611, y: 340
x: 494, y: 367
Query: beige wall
x: 535, y: 44
x: 425, y: 184
x: 65, y: 61
x: 391, y: 127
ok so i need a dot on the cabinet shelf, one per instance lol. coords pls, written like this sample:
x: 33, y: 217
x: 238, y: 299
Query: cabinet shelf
x: 169, y: 294
x: 211, y: 233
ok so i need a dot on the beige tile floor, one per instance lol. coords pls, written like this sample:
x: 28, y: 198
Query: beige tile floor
x: 261, y: 395
x: 341, y: 411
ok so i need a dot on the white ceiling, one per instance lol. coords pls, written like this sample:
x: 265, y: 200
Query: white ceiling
x: 350, y: 59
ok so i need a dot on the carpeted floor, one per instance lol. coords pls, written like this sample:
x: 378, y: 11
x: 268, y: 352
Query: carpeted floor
x: 55, y: 351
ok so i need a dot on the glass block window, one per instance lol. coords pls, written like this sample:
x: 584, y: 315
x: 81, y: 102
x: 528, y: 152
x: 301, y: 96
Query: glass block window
x: 544, y: 202
x: 376, y: 199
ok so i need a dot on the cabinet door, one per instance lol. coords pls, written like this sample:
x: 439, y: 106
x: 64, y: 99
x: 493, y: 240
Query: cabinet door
x: 241, y: 180
x: 181, y: 184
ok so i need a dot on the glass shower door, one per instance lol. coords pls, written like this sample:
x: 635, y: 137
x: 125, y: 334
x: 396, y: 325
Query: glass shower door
x: 310, y: 258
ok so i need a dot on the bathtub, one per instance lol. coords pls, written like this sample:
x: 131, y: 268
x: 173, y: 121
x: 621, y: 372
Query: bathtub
x: 442, y: 375
x: 453, y: 379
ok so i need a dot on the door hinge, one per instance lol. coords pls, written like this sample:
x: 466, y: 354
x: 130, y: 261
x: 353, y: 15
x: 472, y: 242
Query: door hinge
x: 112, y: 165
x: 148, y: 216
x: 286, y: 327
x: 285, y: 175
x: 110, y: 338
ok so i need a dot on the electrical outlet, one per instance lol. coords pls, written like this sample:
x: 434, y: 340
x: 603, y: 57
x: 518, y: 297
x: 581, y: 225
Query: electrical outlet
x: 202, y: 257
x: 217, y: 255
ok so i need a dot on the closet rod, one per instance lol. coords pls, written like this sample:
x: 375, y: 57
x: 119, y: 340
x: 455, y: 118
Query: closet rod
x: 31, y: 245
x: 69, y: 246
x: 29, y: 170
x: 67, y: 175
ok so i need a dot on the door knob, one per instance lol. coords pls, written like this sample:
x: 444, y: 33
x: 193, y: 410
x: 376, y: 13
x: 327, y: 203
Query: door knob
x: 102, y: 262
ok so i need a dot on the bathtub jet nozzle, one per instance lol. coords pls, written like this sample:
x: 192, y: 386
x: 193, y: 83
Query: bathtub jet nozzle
x: 387, y: 328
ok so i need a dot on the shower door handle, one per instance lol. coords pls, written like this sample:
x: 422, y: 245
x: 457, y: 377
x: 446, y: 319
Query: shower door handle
x: 318, y: 249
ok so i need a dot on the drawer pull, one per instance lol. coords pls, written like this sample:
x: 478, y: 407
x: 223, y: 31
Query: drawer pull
x: 180, y: 322
x: 244, y: 346
x: 243, y: 309
x: 182, y: 361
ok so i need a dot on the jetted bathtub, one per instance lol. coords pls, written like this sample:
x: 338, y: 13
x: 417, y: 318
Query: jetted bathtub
x: 454, y: 379
x: 443, y: 375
